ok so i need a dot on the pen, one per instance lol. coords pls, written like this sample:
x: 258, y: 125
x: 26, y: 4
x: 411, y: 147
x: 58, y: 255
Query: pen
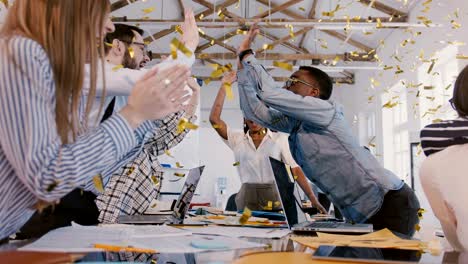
x: 120, y: 248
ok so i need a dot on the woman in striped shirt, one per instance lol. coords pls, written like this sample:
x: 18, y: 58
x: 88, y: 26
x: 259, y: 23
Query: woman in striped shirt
x: 443, y: 173
x: 45, y: 148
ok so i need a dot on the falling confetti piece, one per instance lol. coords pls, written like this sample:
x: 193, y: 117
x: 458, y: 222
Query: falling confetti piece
x: 417, y: 227
x: 237, y: 163
x: 283, y: 65
x: 332, y: 12
x: 185, y: 124
x: 431, y: 67
x: 302, y: 9
x: 268, y: 46
x: 155, y: 180
x: 108, y: 44
x: 220, y: 14
x: 178, y: 165
x: 228, y: 88
x: 131, y: 52
x: 448, y: 87
x: 130, y: 170
x: 379, y: 23
x: 178, y: 29
x: 177, y: 45
x: 148, y: 10
x: 179, y: 174
x: 390, y: 104
x: 216, y: 126
x: 245, y: 216
x: 118, y: 67
x: 52, y: 186
x: 455, y: 24
x: 168, y: 153
x: 269, y: 206
x: 97, y: 180
x: 295, y: 177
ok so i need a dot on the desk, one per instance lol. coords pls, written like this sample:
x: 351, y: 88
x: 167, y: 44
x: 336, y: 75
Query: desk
x: 242, y: 256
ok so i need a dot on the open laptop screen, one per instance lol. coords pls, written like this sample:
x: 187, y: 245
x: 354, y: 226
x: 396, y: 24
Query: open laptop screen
x: 188, y: 191
x: 285, y: 190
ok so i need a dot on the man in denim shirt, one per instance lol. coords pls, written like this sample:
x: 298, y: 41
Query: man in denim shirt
x: 322, y: 143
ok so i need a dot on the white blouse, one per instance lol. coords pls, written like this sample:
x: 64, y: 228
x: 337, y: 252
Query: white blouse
x: 254, y: 164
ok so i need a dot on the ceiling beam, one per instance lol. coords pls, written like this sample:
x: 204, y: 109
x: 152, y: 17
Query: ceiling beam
x: 285, y: 44
x: 281, y: 56
x: 278, y: 8
x: 160, y: 34
x: 285, y: 11
x: 352, y: 42
x: 274, y: 23
x: 384, y: 8
x: 287, y: 38
x: 335, y: 34
x: 219, y: 43
x: 211, y: 7
x: 120, y: 4
x: 311, y: 15
x: 343, y: 80
x: 227, y: 36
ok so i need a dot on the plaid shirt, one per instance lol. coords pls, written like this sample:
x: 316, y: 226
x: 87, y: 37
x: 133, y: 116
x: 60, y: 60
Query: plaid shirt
x: 133, y: 187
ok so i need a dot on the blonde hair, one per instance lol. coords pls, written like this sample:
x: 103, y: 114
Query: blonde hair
x: 70, y: 31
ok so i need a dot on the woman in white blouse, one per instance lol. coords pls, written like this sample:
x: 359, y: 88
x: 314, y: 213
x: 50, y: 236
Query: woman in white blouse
x: 252, y: 149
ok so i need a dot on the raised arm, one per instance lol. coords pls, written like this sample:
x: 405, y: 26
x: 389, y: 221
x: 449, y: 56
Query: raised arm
x: 215, y: 114
x: 119, y: 82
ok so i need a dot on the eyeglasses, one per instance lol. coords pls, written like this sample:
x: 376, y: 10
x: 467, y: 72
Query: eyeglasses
x: 143, y: 47
x: 292, y: 81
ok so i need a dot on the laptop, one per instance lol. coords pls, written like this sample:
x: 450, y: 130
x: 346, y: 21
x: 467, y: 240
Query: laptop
x: 179, y: 209
x: 284, y: 186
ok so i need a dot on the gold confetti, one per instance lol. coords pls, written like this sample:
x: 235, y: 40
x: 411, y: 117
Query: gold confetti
x: 283, y: 65
x: 185, y: 124
x: 448, y: 87
x: 181, y: 175
x: 130, y: 170
x: 52, y: 186
x: 429, y: 87
x: 269, y: 206
x: 245, y: 216
x: 455, y: 24
x: 456, y: 43
x: 178, y: 29
x: 277, y: 204
x: 131, y: 52
x: 216, y: 126
x: 207, y: 81
x: 268, y: 46
x: 220, y: 13
x: 97, y: 180
x: 332, y: 12
x: 295, y: 177
x: 431, y: 67
x: 228, y: 88
x: 201, y: 16
x: 399, y: 70
x: 302, y: 9
x: 390, y: 104
x: 168, y: 153
x: 425, y: 20
x: 108, y: 44
x: 237, y: 163
x: 374, y: 82
x: 417, y: 227
x: 178, y: 165
x: 177, y: 45
x: 118, y: 67
x: 386, y: 68
x: 148, y: 10
x: 155, y: 180
x: 379, y: 23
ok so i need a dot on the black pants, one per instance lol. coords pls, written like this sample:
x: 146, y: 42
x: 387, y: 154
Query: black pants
x: 399, y: 212
x: 78, y: 206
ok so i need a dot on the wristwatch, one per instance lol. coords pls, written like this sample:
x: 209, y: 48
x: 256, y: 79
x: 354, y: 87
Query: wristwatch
x: 243, y: 53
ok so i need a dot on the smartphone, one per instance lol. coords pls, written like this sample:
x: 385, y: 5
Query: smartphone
x: 367, y: 255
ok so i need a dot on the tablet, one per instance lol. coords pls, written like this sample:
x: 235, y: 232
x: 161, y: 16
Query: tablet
x: 367, y: 255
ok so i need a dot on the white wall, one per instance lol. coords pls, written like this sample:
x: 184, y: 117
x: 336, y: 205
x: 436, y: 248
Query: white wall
x: 434, y: 42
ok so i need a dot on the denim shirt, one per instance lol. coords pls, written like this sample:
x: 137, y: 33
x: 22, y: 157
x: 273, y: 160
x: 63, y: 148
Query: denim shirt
x: 321, y: 142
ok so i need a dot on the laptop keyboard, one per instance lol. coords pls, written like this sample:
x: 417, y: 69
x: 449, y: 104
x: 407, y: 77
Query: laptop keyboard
x: 323, y: 225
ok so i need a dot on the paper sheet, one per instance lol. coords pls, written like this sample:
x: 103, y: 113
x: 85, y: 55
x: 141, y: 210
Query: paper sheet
x: 82, y: 238
x: 184, y: 244
x: 380, y: 239
x: 240, y: 231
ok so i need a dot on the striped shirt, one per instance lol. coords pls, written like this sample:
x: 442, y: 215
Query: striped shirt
x: 34, y: 164
x: 439, y: 136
